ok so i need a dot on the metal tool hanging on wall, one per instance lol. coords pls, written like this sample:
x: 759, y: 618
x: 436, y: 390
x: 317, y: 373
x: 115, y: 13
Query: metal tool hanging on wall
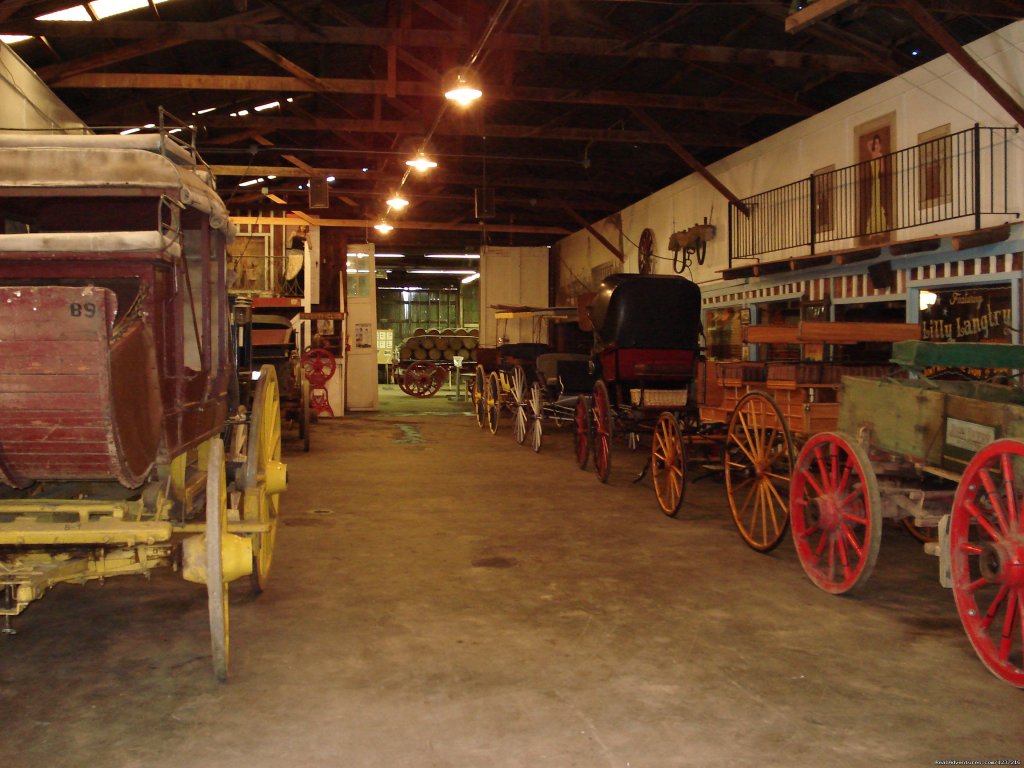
x: 692, y: 242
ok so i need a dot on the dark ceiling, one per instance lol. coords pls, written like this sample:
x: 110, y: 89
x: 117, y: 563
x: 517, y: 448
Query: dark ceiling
x: 589, y: 104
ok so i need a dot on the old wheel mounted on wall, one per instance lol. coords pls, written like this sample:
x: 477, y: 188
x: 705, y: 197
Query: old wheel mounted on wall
x: 835, y: 512
x: 265, y: 476
x: 668, y: 464
x: 602, y: 432
x: 758, y: 467
x: 986, y: 542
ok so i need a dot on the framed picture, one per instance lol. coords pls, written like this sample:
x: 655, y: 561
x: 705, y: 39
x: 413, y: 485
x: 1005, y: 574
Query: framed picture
x: 824, y: 198
x: 934, y: 167
x: 876, y: 213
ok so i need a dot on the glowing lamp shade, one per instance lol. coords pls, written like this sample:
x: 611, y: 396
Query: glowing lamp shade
x: 383, y: 227
x: 421, y: 162
x: 397, y: 201
x: 462, y: 86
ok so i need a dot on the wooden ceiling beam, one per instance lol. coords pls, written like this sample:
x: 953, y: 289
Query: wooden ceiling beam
x: 594, y: 233
x: 272, y: 123
x: 622, y: 188
x: 434, y: 226
x: 445, y: 40
x: 689, y: 159
x: 972, y: 67
x: 241, y: 83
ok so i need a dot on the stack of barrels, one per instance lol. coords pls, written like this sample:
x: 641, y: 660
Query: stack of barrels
x: 440, y: 346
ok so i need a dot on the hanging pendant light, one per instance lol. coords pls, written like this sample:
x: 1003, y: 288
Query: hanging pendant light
x: 421, y: 162
x: 383, y: 227
x: 397, y: 202
x: 462, y: 86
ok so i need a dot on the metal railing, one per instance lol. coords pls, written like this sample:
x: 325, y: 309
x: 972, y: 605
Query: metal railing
x: 962, y: 174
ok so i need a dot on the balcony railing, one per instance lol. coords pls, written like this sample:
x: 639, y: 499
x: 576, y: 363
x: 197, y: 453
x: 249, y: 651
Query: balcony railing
x: 959, y: 175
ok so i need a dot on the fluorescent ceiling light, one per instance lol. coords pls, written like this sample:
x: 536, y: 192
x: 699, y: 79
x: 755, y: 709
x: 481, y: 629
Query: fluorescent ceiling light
x: 470, y: 278
x: 268, y: 105
x: 389, y: 256
x: 75, y: 13
x: 248, y: 183
x: 442, y: 272
x: 331, y: 179
x: 452, y: 255
x: 204, y: 111
x: 128, y: 131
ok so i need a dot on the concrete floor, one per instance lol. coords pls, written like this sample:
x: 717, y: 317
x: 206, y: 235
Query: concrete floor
x: 444, y: 597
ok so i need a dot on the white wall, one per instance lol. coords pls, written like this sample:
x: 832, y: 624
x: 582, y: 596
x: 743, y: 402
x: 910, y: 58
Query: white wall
x: 26, y: 102
x: 511, y: 277
x: 934, y: 94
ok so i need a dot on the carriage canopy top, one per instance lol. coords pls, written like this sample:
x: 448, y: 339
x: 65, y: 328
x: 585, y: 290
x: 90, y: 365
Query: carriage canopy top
x: 647, y: 312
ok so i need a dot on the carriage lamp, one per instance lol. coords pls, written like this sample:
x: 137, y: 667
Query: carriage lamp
x: 462, y: 86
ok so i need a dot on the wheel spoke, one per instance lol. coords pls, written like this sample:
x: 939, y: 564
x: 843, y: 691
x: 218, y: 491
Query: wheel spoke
x: 993, y: 609
x: 822, y: 472
x: 979, y: 518
x: 1006, y: 642
x: 993, y: 498
x: 1011, y: 494
x: 806, y: 475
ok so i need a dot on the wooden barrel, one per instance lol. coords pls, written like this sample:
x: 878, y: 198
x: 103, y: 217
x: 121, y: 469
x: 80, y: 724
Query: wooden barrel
x: 433, y: 332
x: 405, y: 352
x: 470, y: 342
x: 442, y: 343
x: 463, y: 353
x: 419, y: 332
x: 449, y: 354
x: 427, y: 342
x: 419, y: 354
x: 434, y: 354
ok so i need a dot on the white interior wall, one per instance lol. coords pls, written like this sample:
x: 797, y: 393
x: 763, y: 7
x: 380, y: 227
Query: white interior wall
x: 26, y: 102
x: 511, y: 277
x: 936, y: 93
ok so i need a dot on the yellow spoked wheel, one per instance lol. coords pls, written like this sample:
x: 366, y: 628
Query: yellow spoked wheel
x: 265, y: 476
x: 758, y: 469
x: 668, y: 464
x: 216, y: 530
x: 479, y: 396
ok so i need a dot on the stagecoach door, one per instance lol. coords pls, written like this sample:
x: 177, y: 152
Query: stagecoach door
x: 361, y: 322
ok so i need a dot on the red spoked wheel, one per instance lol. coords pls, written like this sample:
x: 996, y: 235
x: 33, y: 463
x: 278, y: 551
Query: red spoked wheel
x: 835, y: 512
x: 986, y: 543
x: 479, y: 396
x: 318, y: 365
x: 668, y: 464
x: 422, y: 379
x: 758, y: 467
x: 602, y: 432
x: 584, y: 426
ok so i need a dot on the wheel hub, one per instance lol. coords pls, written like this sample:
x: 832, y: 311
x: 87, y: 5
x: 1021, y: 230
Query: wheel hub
x: 1002, y: 561
x: 825, y: 513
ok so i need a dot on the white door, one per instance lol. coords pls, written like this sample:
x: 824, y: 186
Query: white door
x: 361, y: 371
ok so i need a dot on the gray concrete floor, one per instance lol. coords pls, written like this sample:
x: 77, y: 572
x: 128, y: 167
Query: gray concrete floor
x: 444, y: 597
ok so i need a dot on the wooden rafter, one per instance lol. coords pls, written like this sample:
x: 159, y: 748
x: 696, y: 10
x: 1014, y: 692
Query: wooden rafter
x: 689, y: 159
x: 444, y: 40
x: 241, y: 83
x: 596, y: 235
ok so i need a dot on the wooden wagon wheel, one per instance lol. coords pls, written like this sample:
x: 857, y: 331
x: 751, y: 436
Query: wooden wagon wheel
x: 517, y: 403
x: 479, y: 395
x: 836, y: 512
x: 987, y: 557
x: 668, y: 464
x: 492, y: 401
x: 584, y: 428
x: 536, y: 406
x: 758, y: 469
x: 645, y: 252
x: 216, y: 530
x: 422, y: 379
x: 602, y: 432
x: 265, y: 476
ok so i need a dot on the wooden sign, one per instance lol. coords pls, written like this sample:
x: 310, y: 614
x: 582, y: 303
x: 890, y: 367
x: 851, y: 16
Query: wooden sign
x: 322, y: 315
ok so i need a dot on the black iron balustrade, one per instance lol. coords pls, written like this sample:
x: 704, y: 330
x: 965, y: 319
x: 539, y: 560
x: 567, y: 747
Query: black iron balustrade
x: 962, y: 174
